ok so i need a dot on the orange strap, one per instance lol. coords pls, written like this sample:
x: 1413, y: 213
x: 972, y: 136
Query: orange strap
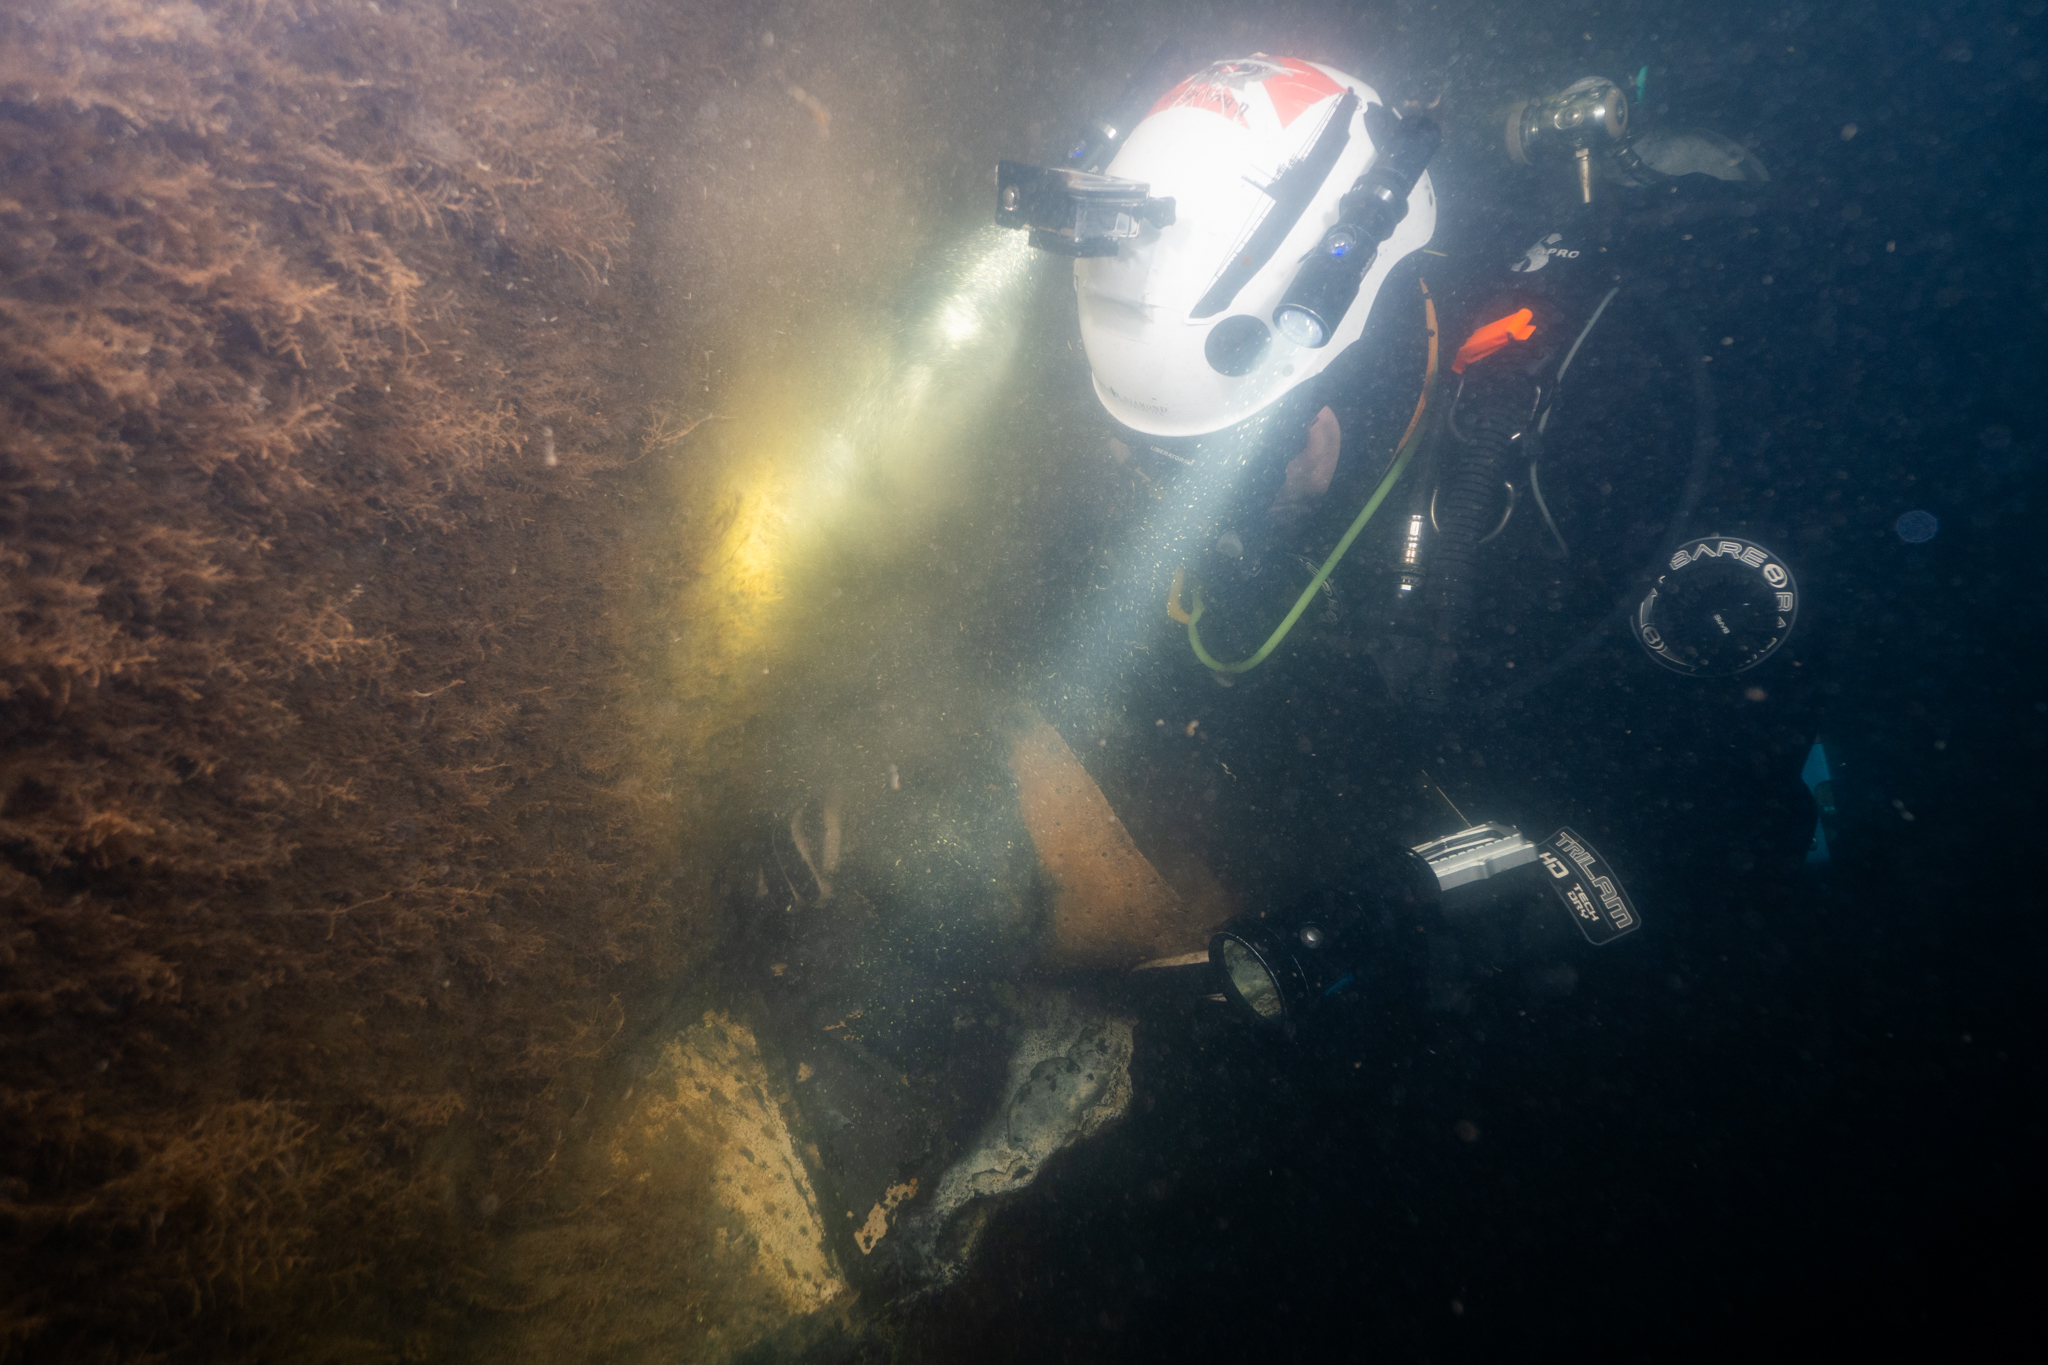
x: 1516, y: 326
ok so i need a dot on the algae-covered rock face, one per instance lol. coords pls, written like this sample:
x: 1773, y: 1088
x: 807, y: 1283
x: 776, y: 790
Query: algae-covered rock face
x: 308, y: 357
x: 463, y: 464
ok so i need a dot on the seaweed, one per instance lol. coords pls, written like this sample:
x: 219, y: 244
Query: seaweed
x: 323, y: 878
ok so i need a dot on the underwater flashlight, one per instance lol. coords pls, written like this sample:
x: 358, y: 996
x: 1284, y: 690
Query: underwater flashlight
x: 1075, y: 213
x: 1277, y: 969
x: 1281, y: 970
x: 1325, y: 287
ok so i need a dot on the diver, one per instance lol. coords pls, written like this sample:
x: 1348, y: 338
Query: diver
x: 1470, y: 446
x: 1408, y: 471
x: 1234, y: 260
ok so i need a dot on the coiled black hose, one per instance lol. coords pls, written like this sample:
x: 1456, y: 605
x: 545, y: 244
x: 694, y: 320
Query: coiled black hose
x: 1467, y: 506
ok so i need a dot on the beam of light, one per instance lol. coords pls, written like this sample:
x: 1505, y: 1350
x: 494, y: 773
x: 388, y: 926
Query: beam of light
x: 959, y: 323
x: 895, y: 426
x: 858, y: 465
x: 1122, y: 626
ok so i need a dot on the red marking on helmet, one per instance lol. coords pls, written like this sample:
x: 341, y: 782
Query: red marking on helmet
x: 1199, y: 91
x: 1297, y: 87
x: 1291, y: 85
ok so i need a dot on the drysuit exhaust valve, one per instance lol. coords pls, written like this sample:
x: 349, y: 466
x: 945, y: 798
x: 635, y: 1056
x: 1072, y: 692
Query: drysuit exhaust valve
x: 1721, y: 606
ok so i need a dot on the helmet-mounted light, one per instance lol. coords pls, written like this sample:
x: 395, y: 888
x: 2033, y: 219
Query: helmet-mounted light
x: 1327, y: 283
x: 1075, y: 213
x: 1191, y: 234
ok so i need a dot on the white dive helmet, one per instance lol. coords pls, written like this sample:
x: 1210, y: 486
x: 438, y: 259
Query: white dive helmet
x: 1168, y: 321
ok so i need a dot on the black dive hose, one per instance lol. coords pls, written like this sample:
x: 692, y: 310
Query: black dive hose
x: 1706, y: 444
x: 1466, y: 505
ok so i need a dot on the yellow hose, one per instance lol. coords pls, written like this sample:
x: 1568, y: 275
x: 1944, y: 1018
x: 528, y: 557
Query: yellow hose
x: 1403, y: 453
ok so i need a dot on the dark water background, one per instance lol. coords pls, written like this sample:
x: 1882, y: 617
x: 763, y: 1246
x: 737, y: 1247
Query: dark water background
x: 1800, y: 1108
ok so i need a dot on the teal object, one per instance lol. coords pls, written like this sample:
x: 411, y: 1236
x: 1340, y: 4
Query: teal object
x: 1819, y: 777
x: 1642, y: 82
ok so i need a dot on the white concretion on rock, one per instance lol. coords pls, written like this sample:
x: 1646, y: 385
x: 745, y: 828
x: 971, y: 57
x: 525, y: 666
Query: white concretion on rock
x: 1069, y: 1078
